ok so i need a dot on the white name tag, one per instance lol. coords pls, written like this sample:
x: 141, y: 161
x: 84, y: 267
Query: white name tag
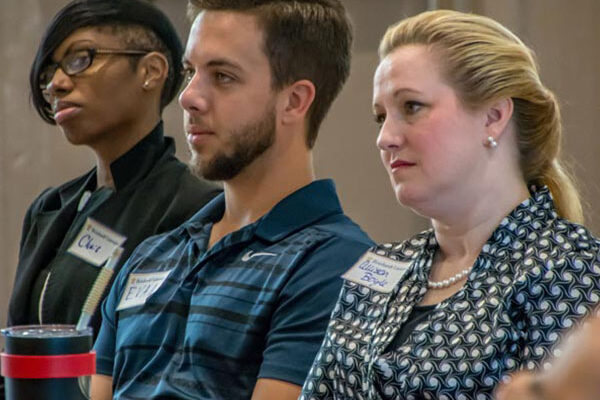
x: 377, y: 272
x: 140, y: 287
x: 95, y: 242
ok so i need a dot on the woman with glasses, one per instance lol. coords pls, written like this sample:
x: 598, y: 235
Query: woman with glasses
x: 103, y: 73
x: 470, y: 138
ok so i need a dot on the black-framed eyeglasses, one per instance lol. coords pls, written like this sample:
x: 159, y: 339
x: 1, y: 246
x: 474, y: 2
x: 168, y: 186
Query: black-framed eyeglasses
x: 77, y: 61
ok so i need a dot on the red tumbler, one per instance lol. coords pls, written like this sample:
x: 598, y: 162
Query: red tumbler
x: 47, y: 362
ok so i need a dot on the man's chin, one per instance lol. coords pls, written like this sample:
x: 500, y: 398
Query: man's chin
x: 195, y: 164
x: 214, y: 171
x: 197, y: 167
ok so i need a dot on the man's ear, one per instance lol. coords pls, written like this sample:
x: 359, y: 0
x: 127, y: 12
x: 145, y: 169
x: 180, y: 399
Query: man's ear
x: 298, y: 97
x: 498, y: 116
x: 154, y: 69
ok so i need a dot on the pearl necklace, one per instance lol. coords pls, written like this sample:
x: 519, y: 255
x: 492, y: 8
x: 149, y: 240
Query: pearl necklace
x: 448, y: 282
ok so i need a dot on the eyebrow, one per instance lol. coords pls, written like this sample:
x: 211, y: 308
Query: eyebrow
x: 395, y: 94
x: 86, y: 42
x: 404, y: 90
x: 219, y: 62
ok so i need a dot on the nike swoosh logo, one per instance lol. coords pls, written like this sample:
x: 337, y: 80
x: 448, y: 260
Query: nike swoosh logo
x: 251, y: 254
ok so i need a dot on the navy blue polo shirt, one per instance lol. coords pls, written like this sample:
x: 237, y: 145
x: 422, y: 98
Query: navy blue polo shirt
x: 189, y: 322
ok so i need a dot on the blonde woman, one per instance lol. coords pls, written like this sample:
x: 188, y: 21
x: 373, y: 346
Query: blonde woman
x: 470, y: 138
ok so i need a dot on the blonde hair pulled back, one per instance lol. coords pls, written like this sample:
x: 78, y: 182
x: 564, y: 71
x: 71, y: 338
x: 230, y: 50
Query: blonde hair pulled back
x: 483, y: 61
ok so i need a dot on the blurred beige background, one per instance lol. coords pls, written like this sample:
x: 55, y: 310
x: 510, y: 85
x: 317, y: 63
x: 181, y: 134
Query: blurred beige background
x: 564, y: 35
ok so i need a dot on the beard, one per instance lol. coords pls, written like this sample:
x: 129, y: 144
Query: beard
x: 244, y: 146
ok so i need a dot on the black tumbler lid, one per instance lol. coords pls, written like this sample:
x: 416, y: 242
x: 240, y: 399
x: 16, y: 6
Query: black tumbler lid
x: 47, y: 339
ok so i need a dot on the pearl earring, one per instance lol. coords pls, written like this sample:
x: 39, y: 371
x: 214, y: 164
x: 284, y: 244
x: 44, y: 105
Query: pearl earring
x: 491, y: 142
x: 146, y: 84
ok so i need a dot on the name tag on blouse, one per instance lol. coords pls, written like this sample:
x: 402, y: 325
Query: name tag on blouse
x: 95, y: 242
x: 140, y: 287
x: 376, y: 272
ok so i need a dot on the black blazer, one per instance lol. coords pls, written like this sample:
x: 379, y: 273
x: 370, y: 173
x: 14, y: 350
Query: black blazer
x: 154, y: 193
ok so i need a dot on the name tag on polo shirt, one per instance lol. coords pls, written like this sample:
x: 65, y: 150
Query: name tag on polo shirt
x: 95, y: 242
x: 140, y: 287
x: 376, y: 272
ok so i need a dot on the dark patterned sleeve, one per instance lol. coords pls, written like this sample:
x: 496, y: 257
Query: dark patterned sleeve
x: 555, y: 297
x: 317, y: 384
x: 344, y: 345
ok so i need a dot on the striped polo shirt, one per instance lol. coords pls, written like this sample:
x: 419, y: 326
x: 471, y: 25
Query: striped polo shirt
x: 183, y: 321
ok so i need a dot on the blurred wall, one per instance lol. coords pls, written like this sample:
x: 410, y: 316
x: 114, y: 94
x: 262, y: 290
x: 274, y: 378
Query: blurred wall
x: 34, y: 155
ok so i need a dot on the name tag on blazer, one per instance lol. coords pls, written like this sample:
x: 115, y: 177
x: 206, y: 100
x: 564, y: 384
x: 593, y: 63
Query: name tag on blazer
x: 140, y: 287
x: 95, y: 242
x: 376, y: 272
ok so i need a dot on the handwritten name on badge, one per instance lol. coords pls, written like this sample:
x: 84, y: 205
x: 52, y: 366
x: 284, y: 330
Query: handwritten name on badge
x: 377, y: 272
x: 140, y: 287
x: 95, y: 242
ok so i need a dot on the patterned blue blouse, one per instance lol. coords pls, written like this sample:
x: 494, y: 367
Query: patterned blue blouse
x: 536, y: 277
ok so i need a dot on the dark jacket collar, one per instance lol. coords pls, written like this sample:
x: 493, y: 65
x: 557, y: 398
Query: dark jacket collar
x: 135, y: 164
x: 128, y: 169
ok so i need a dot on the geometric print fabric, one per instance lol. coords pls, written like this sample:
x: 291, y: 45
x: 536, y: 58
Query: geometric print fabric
x: 536, y: 277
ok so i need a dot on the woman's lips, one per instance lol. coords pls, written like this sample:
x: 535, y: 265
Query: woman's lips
x: 398, y: 164
x: 65, y: 113
x: 63, y: 110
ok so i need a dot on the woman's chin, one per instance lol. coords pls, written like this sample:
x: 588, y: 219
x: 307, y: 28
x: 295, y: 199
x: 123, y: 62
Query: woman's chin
x: 412, y: 199
x: 405, y: 196
x: 76, y: 137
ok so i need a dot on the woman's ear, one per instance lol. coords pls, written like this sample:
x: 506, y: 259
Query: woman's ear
x: 498, y: 116
x: 298, y: 97
x: 154, y: 69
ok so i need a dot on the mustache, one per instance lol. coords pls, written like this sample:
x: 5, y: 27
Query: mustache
x: 195, y: 121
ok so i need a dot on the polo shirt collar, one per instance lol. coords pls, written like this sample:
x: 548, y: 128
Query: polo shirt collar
x: 304, y: 207
x: 135, y: 164
x: 212, y: 212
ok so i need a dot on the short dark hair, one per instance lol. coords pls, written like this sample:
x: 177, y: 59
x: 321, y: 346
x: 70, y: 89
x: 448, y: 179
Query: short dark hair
x: 304, y: 39
x: 138, y: 22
